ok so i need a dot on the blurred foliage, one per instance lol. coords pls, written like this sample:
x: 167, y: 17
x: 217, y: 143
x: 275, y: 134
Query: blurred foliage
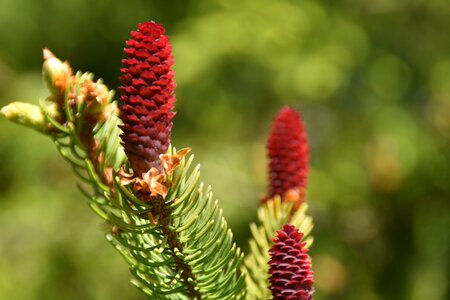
x: 371, y: 79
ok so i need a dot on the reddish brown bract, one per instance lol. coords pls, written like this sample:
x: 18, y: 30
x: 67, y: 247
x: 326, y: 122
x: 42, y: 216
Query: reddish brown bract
x: 291, y: 277
x: 147, y: 97
x: 288, y: 154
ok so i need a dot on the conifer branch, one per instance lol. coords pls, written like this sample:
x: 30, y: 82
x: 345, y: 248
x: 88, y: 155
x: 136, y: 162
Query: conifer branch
x: 193, y: 234
x: 176, y: 241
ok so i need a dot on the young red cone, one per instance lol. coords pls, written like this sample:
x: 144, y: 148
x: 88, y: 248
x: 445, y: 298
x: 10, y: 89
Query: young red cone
x: 147, y: 97
x: 288, y: 150
x: 291, y: 277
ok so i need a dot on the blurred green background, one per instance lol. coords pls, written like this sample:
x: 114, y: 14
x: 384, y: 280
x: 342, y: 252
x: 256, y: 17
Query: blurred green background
x: 371, y: 79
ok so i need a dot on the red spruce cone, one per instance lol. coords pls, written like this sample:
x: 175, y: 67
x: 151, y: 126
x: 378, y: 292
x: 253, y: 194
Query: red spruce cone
x: 147, y: 97
x: 291, y: 277
x: 288, y: 154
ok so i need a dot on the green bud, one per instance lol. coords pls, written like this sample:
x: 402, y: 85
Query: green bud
x: 56, y: 73
x: 29, y: 115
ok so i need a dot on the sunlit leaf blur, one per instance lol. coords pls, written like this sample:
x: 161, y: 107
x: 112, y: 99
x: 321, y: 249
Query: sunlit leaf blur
x: 370, y: 78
